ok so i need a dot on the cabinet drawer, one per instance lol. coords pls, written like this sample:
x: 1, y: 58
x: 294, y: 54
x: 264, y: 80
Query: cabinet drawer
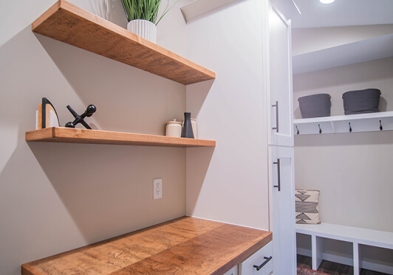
x: 232, y: 271
x: 252, y: 266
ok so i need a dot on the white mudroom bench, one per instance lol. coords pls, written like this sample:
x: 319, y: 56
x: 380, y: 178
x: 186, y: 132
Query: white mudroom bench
x: 356, y: 236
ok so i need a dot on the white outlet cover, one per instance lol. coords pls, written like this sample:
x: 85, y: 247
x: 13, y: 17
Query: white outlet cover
x: 157, y: 189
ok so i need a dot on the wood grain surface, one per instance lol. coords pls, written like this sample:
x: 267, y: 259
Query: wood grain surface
x: 70, y: 24
x: 182, y: 246
x: 71, y: 135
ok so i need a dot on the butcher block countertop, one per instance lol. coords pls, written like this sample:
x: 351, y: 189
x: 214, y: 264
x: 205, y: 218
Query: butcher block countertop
x: 183, y: 246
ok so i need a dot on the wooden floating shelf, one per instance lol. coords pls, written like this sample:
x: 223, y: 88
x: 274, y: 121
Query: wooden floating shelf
x: 70, y: 24
x: 344, y: 124
x: 71, y: 135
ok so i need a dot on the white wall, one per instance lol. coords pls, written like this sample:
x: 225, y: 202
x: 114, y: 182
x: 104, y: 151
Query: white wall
x: 56, y: 197
x: 232, y: 187
x: 353, y: 171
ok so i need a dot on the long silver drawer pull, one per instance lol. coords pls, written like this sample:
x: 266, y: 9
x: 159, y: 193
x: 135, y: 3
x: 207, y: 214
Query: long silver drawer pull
x: 276, y: 128
x: 278, y: 175
x: 267, y: 259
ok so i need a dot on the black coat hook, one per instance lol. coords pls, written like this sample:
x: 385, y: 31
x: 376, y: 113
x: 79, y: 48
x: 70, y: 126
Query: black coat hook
x: 350, y: 128
x: 297, y: 131
x: 380, y: 125
x: 320, y: 130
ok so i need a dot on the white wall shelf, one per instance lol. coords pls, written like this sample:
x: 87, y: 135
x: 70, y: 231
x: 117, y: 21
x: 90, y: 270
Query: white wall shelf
x: 344, y: 124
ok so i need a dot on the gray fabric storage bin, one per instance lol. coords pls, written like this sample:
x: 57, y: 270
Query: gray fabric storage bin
x: 317, y: 105
x: 361, y: 101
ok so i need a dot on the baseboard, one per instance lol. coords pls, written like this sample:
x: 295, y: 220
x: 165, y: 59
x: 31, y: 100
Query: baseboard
x: 388, y: 269
x: 304, y: 252
x: 338, y: 259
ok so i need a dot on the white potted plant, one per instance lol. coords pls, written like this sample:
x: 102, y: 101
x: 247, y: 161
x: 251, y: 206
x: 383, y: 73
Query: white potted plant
x: 143, y: 17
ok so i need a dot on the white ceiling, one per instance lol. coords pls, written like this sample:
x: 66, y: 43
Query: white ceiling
x: 344, y: 55
x: 339, y: 13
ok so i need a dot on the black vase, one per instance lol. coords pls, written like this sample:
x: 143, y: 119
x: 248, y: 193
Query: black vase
x: 187, y: 132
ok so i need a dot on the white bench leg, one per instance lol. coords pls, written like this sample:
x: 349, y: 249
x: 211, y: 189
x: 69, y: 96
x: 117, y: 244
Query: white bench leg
x: 317, y: 249
x: 356, y: 259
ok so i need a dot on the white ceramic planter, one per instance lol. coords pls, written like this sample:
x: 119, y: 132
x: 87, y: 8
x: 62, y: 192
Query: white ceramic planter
x: 144, y: 29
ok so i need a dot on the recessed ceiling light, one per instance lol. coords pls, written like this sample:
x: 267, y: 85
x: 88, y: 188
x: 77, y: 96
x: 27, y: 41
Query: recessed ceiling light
x: 326, y: 1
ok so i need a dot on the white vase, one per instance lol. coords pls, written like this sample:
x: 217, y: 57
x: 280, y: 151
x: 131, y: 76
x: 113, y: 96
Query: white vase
x: 144, y: 29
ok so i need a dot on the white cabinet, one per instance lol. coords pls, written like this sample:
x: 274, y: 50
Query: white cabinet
x: 281, y: 152
x: 283, y: 209
x: 280, y: 75
x: 260, y: 263
x: 232, y: 271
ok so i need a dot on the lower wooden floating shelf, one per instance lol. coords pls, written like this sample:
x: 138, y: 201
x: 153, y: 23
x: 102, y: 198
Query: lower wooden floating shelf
x: 71, y: 135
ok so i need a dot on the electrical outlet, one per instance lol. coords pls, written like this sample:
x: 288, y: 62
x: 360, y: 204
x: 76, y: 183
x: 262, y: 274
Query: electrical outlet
x: 157, y: 189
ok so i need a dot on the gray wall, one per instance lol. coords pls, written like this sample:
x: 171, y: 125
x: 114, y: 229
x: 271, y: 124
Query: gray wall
x: 353, y: 171
x: 56, y: 197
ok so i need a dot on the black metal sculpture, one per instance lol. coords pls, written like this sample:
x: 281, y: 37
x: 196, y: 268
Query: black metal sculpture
x: 90, y: 110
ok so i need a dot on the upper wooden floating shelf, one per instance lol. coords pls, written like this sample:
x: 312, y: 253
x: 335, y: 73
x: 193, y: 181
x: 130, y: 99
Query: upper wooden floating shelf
x: 75, y: 26
x: 71, y: 135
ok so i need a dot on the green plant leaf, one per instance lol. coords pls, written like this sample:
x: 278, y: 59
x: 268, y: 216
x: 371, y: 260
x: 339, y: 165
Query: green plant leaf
x: 145, y: 9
